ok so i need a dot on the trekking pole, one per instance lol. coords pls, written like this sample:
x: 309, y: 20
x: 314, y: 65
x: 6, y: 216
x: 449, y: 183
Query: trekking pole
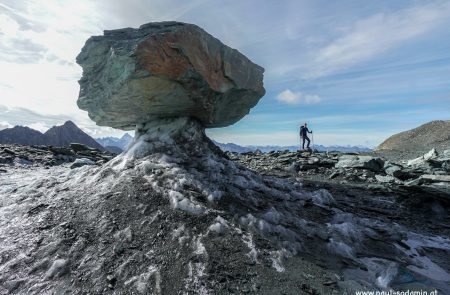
x: 312, y: 135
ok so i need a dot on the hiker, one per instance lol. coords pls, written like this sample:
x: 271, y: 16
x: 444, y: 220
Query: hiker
x: 304, y: 135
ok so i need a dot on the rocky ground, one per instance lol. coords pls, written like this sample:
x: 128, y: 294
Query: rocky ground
x: 48, y: 156
x: 173, y: 215
x: 418, y: 180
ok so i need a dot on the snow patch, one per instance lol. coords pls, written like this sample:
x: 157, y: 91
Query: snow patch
x: 340, y: 248
x: 386, y: 277
x: 277, y: 258
x: 323, y: 197
x: 58, y: 268
x: 143, y: 282
x: 220, y: 226
x: 178, y: 201
x: 248, y: 240
x: 125, y: 235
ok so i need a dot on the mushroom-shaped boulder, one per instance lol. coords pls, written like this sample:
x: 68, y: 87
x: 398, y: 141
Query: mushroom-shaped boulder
x: 165, y: 70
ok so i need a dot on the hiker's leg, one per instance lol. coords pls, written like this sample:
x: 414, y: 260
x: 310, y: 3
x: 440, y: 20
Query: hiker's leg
x: 303, y: 145
x: 307, y: 138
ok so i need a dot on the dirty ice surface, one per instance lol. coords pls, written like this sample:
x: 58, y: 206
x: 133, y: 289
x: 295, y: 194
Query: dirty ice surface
x: 40, y: 247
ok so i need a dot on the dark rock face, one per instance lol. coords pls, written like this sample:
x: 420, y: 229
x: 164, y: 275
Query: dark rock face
x: 56, y: 136
x: 169, y: 69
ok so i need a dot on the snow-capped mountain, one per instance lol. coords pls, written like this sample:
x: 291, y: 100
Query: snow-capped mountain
x: 121, y: 142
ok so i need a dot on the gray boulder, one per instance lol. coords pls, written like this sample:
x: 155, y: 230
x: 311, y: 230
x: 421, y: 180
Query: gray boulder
x: 360, y: 162
x: 435, y: 178
x: 393, y: 169
x: 446, y: 153
x: 79, y: 147
x: 81, y: 162
x: 163, y: 70
x: 432, y: 154
x: 385, y: 178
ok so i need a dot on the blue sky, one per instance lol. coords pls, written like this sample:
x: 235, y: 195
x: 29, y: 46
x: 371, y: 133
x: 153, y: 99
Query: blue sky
x: 356, y: 71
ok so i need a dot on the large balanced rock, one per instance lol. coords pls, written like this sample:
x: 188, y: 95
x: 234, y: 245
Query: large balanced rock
x: 167, y: 69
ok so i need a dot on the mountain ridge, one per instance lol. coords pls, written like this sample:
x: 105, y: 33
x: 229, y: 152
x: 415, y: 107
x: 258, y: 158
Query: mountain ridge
x: 433, y: 134
x: 112, y: 141
x: 126, y: 139
x: 232, y: 147
x: 62, y: 135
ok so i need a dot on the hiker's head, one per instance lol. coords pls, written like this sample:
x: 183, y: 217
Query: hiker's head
x: 306, y: 124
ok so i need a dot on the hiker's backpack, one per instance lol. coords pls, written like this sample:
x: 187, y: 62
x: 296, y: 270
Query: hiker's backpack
x: 302, y: 130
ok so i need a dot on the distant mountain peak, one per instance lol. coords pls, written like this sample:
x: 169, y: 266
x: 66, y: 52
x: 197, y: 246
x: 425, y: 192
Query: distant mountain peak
x: 126, y: 136
x: 69, y: 124
x: 62, y: 135
x: 19, y: 127
x: 232, y: 147
x: 110, y: 141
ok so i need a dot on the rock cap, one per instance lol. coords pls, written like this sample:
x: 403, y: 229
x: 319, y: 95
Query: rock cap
x: 165, y: 69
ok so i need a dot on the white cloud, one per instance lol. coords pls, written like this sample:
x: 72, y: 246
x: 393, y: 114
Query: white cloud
x: 8, y: 26
x: 4, y: 125
x: 290, y: 97
x: 369, y: 37
x: 39, y: 126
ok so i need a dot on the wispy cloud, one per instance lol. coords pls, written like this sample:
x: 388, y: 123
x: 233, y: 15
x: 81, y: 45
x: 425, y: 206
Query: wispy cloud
x: 290, y: 97
x: 346, y: 52
x: 369, y: 37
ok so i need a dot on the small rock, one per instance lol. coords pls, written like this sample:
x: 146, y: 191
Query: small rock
x: 375, y: 187
x: 393, y: 169
x: 417, y: 181
x: 363, y: 162
x: 436, y: 178
x: 420, y: 251
x: 334, y: 175
x: 313, y: 160
x: 61, y: 150
x: 446, y: 153
x: 423, y: 159
x: 81, y: 162
x: 13, y: 284
x: 385, y: 179
x: 8, y: 151
x: 78, y: 147
x: 58, y: 268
